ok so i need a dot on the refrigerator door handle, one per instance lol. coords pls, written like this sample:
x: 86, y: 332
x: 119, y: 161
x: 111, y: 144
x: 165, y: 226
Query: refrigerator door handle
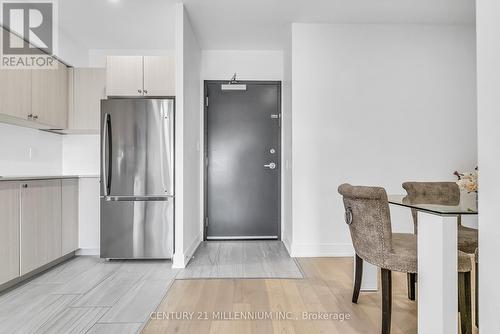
x: 106, y: 166
x: 136, y: 198
x: 162, y: 148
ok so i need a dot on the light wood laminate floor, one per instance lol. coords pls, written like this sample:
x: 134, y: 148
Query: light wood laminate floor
x: 326, y: 289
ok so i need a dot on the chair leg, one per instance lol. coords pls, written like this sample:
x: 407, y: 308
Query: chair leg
x: 477, y: 295
x: 358, y: 275
x: 386, y: 301
x: 412, y: 280
x: 464, y: 302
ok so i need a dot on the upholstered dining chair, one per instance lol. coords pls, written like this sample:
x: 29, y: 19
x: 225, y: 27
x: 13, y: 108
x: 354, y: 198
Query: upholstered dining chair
x: 368, y: 216
x: 443, y: 193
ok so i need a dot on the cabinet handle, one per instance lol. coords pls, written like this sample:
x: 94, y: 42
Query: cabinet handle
x: 139, y: 91
x: 145, y: 91
x: 25, y: 185
x: 30, y: 116
x: 35, y: 117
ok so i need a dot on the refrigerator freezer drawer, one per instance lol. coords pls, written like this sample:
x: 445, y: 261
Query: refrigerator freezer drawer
x: 137, y: 229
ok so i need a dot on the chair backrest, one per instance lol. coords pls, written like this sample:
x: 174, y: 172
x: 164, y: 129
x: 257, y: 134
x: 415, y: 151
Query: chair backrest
x: 444, y: 193
x: 368, y: 217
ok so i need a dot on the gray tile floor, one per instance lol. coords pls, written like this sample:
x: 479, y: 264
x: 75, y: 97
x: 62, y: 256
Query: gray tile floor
x: 89, y: 295
x: 241, y: 259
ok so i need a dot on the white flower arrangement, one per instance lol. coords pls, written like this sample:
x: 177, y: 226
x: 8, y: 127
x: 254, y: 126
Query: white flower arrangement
x: 468, y: 181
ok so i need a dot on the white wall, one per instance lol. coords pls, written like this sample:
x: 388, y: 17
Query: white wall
x: 25, y: 151
x: 88, y: 216
x: 188, y: 231
x: 97, y: 57
x: 72, y: 52
x: 375, y: 105
x: 248, y: 64
x: 488, y: 64
x: 80, y: 154
x: 286, y: 135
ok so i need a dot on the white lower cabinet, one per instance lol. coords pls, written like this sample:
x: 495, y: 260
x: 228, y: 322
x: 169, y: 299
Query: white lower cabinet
x: 9, y: 231
x: 40, y: 223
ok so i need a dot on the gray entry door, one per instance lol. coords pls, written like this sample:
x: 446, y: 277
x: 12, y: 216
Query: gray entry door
x: 243, y: 148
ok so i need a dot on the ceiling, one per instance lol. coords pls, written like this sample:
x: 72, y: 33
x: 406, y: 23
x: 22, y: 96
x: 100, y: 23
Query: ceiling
x: 119, y: 24
x: 238, y: 24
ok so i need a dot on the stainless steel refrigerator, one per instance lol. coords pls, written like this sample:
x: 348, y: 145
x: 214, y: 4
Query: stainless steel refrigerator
x: 137, y: 178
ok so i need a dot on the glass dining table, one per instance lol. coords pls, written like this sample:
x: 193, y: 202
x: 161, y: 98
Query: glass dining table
x: 437, y: 259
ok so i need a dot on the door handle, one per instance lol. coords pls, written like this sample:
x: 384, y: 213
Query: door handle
x: 271, y: 165
x: 106, y: 165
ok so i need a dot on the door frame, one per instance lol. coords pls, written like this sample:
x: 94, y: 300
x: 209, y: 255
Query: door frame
x: 205, y: 151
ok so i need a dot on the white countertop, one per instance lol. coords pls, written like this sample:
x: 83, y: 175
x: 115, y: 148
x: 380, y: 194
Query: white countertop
x: 44, y: 177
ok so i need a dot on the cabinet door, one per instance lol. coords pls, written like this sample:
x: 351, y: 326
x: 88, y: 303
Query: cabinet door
x: 89, y: 217
x: 40, y: 223
x: 9, y: 231
x: 159, y: 76
x: 89, y: 88
x: 15, y: 93
x: 49, y: 101
x: 124, y: 76
x: 69, y: 191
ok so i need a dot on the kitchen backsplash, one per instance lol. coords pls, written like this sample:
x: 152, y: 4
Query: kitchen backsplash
x: 25, y: 151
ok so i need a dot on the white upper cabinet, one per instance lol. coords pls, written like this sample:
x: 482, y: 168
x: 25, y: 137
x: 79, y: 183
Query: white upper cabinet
x: 15, y: 93
x: 87, y: 89
x: 140, y: 76
x: 159, y: 76
x: 124, y: 76
x: 36, y: 98
x: 49, y: 96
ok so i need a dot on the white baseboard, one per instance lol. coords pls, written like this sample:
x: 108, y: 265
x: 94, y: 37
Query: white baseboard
x: 178, y: 261
x: 181, y: 260
x: 189, y: 252
x: 288, y: 245
x: 88, y: 251
x: 321, y: 250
